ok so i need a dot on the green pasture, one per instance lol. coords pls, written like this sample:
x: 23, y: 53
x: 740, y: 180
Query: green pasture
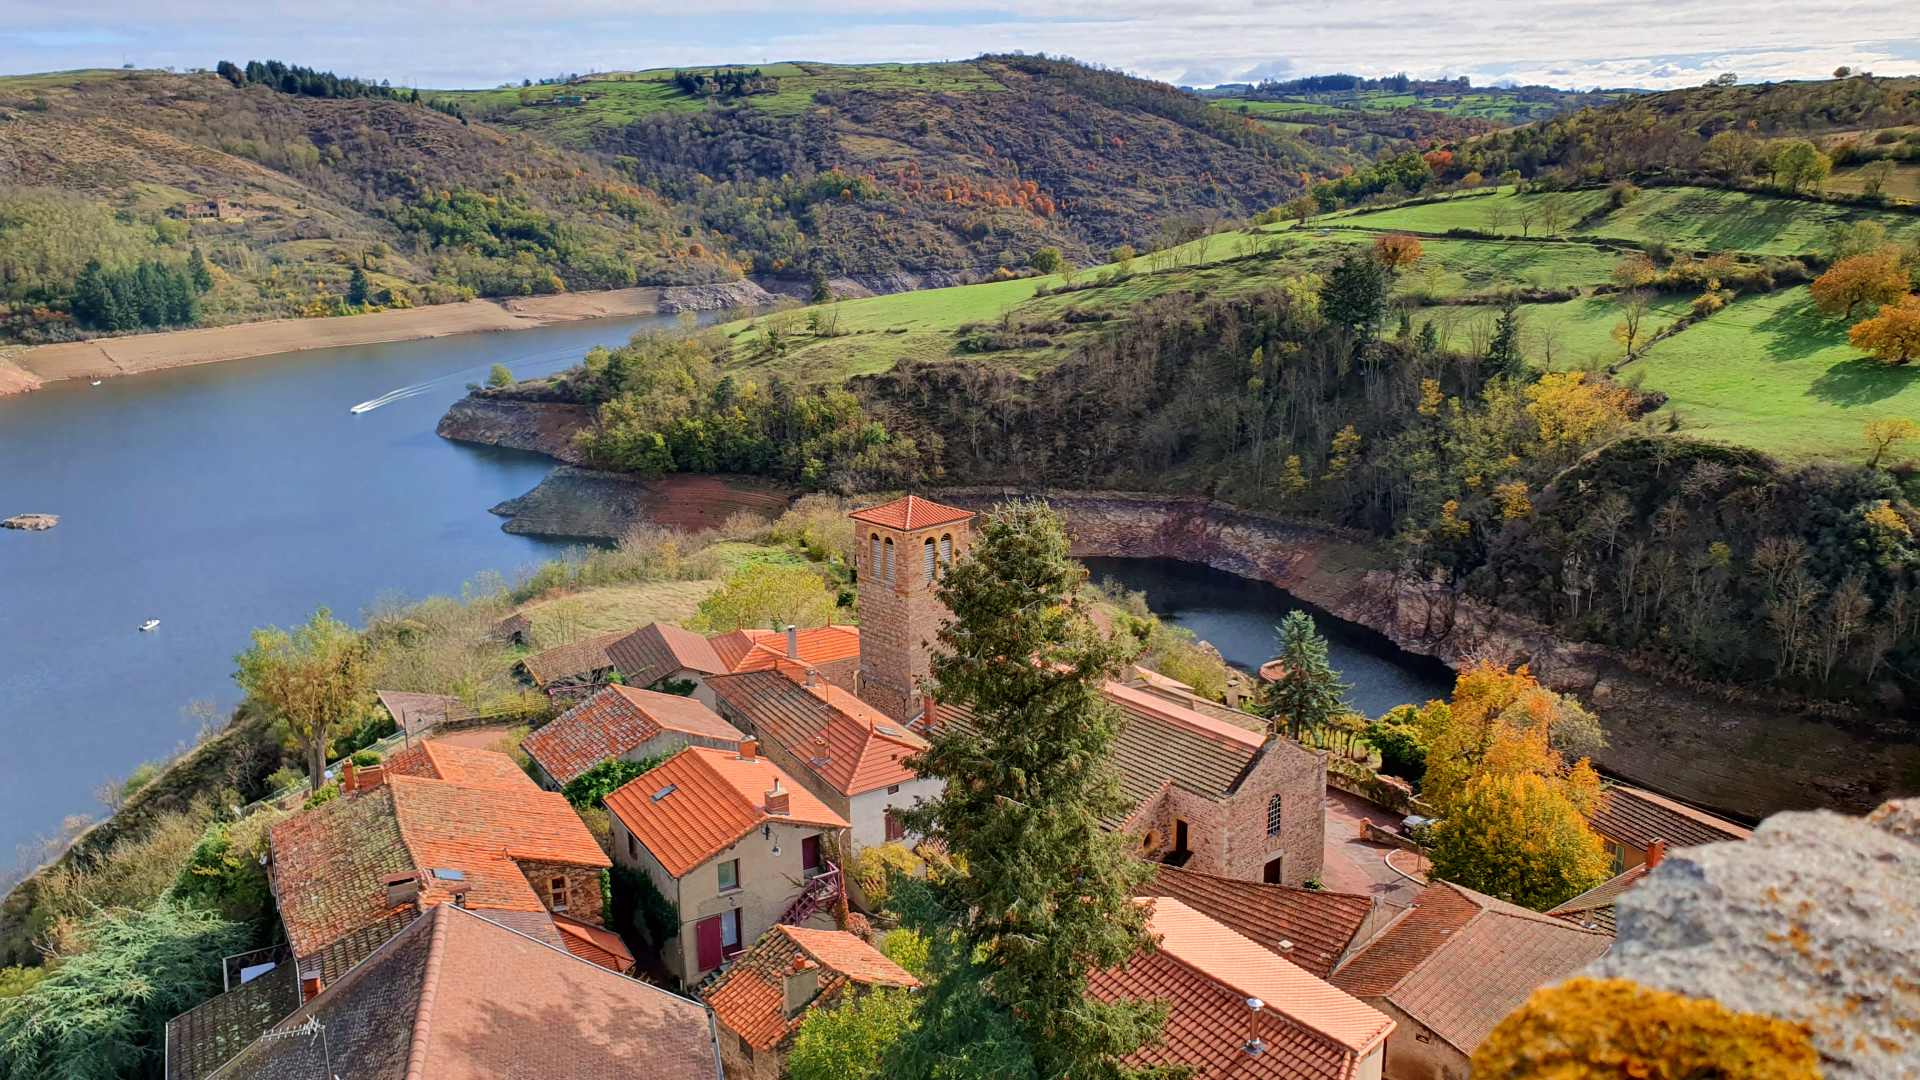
x: 1717, y: 220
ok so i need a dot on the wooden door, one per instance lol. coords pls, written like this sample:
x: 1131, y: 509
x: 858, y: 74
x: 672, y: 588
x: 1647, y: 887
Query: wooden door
x: 810, y: 854
x: 1271, y: 875
x: 706, y: 939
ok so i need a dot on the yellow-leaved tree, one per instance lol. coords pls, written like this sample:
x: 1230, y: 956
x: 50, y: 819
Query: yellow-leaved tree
x: 1893, y: 336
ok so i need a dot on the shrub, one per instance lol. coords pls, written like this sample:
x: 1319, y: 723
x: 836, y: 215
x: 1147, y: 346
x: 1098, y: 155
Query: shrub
x: 364, y: 758
x: 132, y: 873
x: 285, y: 777
x: 224, y: 873
x: 874, y: 869
x: 15, y: 981
x: 639, y: 906
x: 591, y: 788
x: 327, y: 792
x: 908, y: 949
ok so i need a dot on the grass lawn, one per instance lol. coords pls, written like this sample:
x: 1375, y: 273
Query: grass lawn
x: 1716, y: 220
x: 1771, y: 373
x: 1496, y: 212
x: 615, y: 607
x: 1456, y: 267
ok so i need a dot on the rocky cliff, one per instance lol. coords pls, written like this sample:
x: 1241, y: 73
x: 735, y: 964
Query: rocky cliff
x: 543, y: 427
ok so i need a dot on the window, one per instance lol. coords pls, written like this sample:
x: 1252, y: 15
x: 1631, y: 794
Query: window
x: 926, y: 570
x: 873, y: 563
x: 633, y: 847
x: 893, y: 789
x: 730, y: 875
x: 1273, y: 816
x: 896, y: 829
x: 886, y: 570
x: 946, y: 551
x: 730, y: 933
x: 557, y: 891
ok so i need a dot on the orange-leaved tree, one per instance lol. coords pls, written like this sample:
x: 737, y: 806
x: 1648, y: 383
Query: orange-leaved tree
x: 1872, y: 279
x: 1893, y: 335
x: 1396, y: 251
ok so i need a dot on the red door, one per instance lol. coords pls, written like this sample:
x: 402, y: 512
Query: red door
x: 810, y: 854
x: 706, y: 943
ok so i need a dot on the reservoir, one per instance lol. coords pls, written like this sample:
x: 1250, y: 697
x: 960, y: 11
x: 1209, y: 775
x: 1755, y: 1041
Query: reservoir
x: 216, y: 499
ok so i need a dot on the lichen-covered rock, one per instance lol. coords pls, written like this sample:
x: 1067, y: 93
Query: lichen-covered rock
x: 31, y: 522
x: 1815, y: 920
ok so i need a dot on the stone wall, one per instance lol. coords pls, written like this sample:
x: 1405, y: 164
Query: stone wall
x: 582, y: 900
x: 1299, y: 777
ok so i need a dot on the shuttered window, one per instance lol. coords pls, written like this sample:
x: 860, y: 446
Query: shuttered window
x: 927, y: 571
x: 873, y: 564
x: 946, y: 551
x: 886, y: 572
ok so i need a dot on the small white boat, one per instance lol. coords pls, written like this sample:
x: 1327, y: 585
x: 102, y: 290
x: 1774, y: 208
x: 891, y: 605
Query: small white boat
x: 365, y: 406
x: 149, y: 624
x: 96, y: 382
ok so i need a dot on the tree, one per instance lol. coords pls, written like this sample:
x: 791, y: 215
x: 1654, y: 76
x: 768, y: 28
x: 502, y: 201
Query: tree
x: 1572, y: 411
x: 1396, y: 251
x: 1500, y: 722
x: 314, y: 680
x: 1397, y: 737
x: 1047, y: 260
x: 592, y: 787
x: 1874, y: 176
x: 851, y: 1040
x: 1731, y: 155
x: 1884, y: 435
x: 499, y: 376
x: 958, y: 1032
x: 357, y: 288
x: 1300, y: 208
x: 766, y: 597
x: 1308, y: 693
x: 101, y: 1013
x: 1601, y: 1029
x: 198, y: 271
x: 1634, y: 306
x: 1893, y: 335
x: 1503, y: 352
x: 1048, y: 892
x: 1842, y: 71
x: 1799, y: 164
x: 1355, y: 294
x: 1521, y: 838
x: 1871, y: 279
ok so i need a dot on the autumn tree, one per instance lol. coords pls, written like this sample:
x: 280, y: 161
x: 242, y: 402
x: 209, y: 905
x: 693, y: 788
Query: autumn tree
x: 1798, y: 165
x: 314, y: 680
x: 1028, y: 782
x: 1308, y: 693
x: 1572, y: 409
x: 1300, y: 208
x: 1730, y: 155
x: 1893, y: 335
x: 1501, y: 722
x: 1396, y: 251
x: 764, y: 596
x: 1635, y: 304
x: 500, y: 376
x: 1872, y: 279
x: 1883, y: 435
x: 1522, y: 837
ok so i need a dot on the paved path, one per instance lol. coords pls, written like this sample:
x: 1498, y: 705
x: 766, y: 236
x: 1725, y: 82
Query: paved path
x: 1352, y: 865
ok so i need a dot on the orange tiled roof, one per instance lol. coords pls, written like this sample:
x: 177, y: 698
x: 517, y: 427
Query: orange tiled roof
x: 697, y: 803
x: 1593, y: 909
x: 1139, y: 702
x: 766, y: 649
x: 909, y: 513
x: 1319, y: 925
x: 582, y: 657
x: 331, y: 863
x: 657, y: 650
x: 458, y: 764
x: 613, y: 721
x: 1206, y: 972
x: 595, y: 944
x: 1459, y: 961
x: 1637, y: 818
x: 848, y: 743
x: 749, y: 999
x: 457, y: 996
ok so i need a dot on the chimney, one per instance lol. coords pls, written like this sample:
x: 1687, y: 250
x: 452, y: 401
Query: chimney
x: 926, y: 712
x: 346, y: 776
x: 778, y: 801
x: 1656, y: 852
x: 749, y: 749
x: 802, y: 983
x: 460, y: 895
x: 820, y: 755
x: 793, y: 642
x: 1254, y: 1046
x: 402, y: 889
x: 372, y: 777
x: 813, y: 677
x: 310, y: 982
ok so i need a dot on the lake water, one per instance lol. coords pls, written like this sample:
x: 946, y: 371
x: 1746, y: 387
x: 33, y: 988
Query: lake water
x: 220, y: 498
x: 1239, y: 616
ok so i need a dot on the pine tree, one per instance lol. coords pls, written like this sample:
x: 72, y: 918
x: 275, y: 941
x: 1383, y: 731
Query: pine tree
x: 1355, y: 295
x: 1048, y: 893
x: 1308, y: 694
x: 1503, y: 353
x: 357, y: 288
x: 198, y: 271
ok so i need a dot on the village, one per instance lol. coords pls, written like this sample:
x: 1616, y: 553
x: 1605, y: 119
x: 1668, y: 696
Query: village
x: 449, y: 913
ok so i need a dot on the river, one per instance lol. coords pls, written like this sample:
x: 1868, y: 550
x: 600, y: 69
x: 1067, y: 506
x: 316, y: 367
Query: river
x: 216, y: 499
x: 1238, y: 617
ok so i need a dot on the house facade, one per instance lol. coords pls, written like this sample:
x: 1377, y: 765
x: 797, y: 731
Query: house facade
x: 1634, y: 823
x: 734, y: 843
x: 759, y: 1003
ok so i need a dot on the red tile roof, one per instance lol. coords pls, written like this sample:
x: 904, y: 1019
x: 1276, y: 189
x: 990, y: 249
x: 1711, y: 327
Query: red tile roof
x: 415, y: 712
x: 749, y: 999
x: 615, y: 720
x: 767, y: 649
x: 579, y: 658
x: 1637, y: 818
x: 1459, y: 961
x: 697, y: 803
x: 1593, y: 909
x: 1207, y: 973
x: 331, y: 863
x: 657, y: 650
x: 848, y: 743
x: 909, y: 513
x: 595, y: 944
x: 468, y: 765
x: 1318, y: 926
x: 458, y: 997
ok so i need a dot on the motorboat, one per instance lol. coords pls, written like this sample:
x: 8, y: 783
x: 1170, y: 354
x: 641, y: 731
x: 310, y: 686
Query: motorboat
x: 149, y: 625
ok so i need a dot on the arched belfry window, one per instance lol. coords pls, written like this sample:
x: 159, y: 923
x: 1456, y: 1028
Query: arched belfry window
x: 873, y: 562
x: 927, y: 559
x: 886, y: 568
x: 1273, y: 816
x: 946, y: 551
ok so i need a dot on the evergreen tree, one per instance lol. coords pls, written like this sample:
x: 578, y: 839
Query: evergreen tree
x: 197, y: 270
x: 957, y: 1032
x: 1308, y: 694
x: 357, y: 288
x: 1048, y: 896
x: 1355, y: 294
x: 1503, y: 353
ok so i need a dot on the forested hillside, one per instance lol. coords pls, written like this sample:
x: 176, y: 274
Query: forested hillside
x: 206, y: 199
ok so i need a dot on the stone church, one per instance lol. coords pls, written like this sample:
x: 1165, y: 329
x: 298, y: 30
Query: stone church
x: 1212, y: 790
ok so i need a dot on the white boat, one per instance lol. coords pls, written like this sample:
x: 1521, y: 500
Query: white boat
x: 149, y: 624
x: 365, y: 406
x: 96, y: 382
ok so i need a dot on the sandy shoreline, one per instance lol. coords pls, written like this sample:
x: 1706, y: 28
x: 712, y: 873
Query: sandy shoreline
x: 29, y: 368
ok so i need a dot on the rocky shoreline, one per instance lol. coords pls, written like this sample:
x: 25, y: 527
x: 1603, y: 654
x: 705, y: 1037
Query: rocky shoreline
x: 31, y: 522
x: 1745, y: 757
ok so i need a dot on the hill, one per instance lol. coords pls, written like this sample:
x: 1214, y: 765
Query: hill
x: 1398, y: 111
x: 933, y: 173
x: 284, y: 196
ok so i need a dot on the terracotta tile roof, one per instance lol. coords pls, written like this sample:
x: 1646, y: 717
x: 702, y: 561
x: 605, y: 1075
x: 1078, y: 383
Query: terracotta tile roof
x: 458, y: 997
x: 1141, y: 703
x: 595, y: 944
x: 711, y: 799
x: 207, y: 1036
x: 566, y: 661
x: 416, y: 712
x: 331, y: 863
x: 1637, y: 818
x: 749, y: 999
x: 456, y: 764
x: 1320, y: 925
x: 657, y: 650
x: 911, y: 512
x: 613, y: 721
x: 1459, y: 961
x: 848, y: 743
x: 767, y: 649
x: 1593, y: 909
x: 1206, y: 971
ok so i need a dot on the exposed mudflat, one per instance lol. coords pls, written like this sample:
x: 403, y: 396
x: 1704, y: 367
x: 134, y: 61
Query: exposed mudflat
x: 587, y: 505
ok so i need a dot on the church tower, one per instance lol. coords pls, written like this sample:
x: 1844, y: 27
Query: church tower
x: 904, y: 546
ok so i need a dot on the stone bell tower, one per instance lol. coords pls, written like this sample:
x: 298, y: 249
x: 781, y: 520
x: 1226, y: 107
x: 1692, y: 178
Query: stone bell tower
x: 904, y: 546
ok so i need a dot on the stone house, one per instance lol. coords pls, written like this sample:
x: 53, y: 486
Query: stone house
x: 734, y: 843
x: 623, y: 722
x: 846, y: 752
x: 1452, y: 966
x: 1313, y: 928
x: 759, y: 1003
x: 1632, y: 821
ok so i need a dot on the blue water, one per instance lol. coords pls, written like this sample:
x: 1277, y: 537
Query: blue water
x: 217, y: 499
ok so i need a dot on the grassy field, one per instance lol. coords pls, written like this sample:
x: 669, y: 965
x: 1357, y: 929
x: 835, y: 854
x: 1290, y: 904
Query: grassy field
x: 1903, y: 184
x: 1483, y: 103
x: 1771, y: 373
x: 614, y: 607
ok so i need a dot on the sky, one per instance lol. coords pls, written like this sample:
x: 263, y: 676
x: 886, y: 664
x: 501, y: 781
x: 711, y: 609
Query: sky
x: 476, y: 43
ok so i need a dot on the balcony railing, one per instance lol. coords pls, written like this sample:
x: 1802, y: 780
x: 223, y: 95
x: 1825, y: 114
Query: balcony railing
x: 818, y: 892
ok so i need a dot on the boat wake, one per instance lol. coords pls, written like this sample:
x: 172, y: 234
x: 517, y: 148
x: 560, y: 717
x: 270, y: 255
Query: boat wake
x: 430, y: 385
